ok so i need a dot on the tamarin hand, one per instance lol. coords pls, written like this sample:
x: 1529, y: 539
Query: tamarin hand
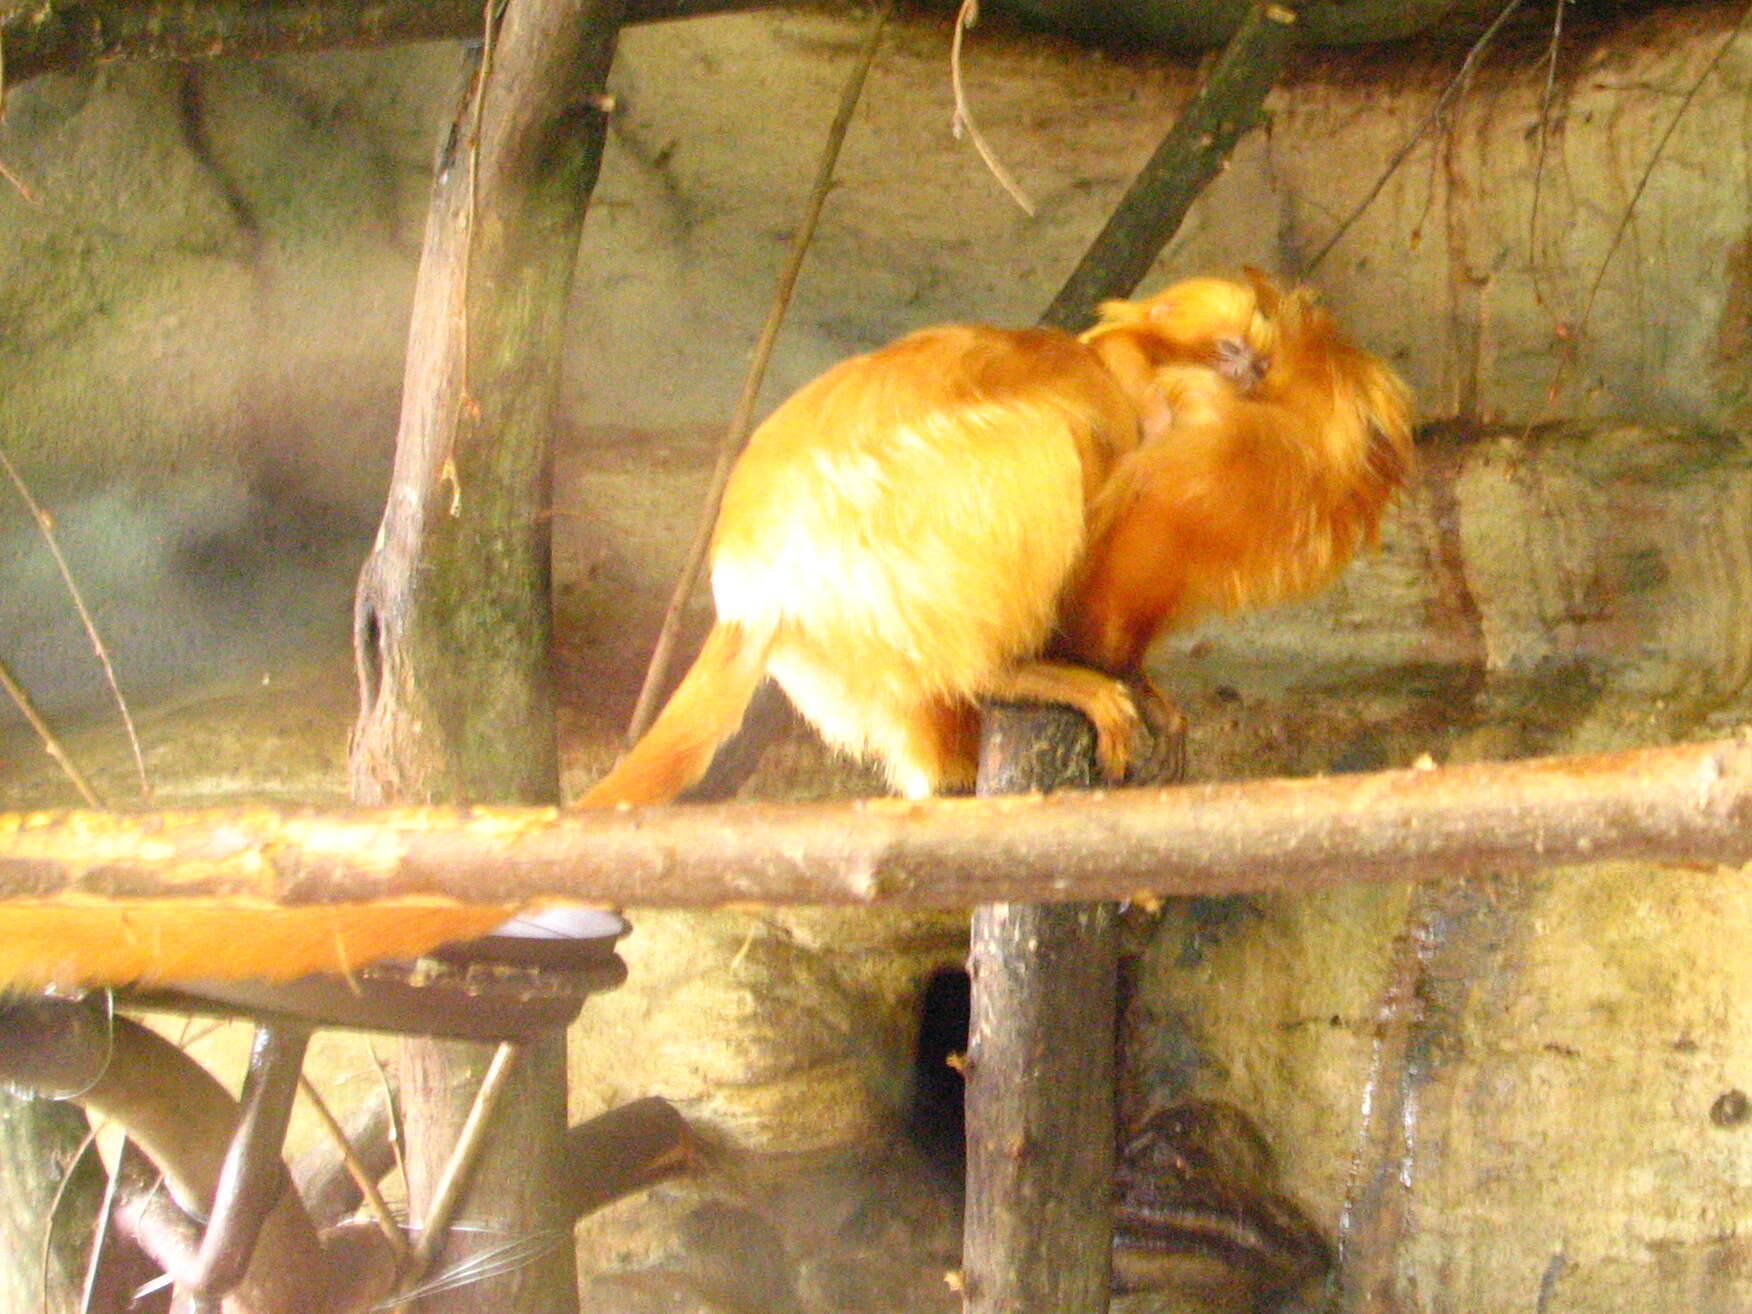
x: 975, y: 512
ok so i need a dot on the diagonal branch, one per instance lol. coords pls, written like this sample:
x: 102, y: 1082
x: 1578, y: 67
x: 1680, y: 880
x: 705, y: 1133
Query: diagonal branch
x: 1224, y: 108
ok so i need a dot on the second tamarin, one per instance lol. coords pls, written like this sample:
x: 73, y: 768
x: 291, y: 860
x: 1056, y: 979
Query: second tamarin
x: 975, y: 512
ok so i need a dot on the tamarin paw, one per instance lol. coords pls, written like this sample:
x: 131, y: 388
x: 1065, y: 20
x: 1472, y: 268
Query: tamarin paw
x: 1118, y: 725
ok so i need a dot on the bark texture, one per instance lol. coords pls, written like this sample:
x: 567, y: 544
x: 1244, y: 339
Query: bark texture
x: 452, y: 630
x: 1690, y: 803
x: 1040, y: 1060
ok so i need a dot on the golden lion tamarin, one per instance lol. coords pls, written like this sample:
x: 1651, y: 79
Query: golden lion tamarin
x: 976, y: 512
x: 968, y: 512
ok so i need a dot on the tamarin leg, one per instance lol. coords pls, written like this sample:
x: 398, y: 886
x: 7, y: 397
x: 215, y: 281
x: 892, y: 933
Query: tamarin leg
x: 939, y: 750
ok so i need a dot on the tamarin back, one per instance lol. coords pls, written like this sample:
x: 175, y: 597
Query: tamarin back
x: 893, y: 542
x: 926, y: 525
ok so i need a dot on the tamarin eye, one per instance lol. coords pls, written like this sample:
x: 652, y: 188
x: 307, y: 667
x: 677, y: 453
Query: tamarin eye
x: 1240, y: 364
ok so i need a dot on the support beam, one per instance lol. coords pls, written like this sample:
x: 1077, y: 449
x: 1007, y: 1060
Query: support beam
x: 1688, y: 803
x: 1040, y: 1059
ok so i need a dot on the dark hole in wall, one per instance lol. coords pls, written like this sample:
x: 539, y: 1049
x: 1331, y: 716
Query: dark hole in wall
x: 936, y: 1122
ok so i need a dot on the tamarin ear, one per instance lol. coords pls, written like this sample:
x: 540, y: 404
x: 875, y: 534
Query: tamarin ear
x: 1263, y: 288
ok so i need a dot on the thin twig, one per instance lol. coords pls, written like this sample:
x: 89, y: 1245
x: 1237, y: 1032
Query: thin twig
x: 1654, y: 159
x: 102, y: 1236
x: 6, y: 173
x: 1455, y: 86
x: 469, y: 1143
x: 46, y: 526
x: 51, y: 744
x: 48, y: 1247
x: 379, y: 1207
x: 1544, y: 144
x: 741, y: 419
x: 964, y: 21
x: 1574, y: 333
x: 18, y: 184
x: 191, y: 1035
x: 397, y: 1136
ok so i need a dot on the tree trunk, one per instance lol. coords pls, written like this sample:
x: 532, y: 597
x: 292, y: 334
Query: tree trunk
x: 452, y: 624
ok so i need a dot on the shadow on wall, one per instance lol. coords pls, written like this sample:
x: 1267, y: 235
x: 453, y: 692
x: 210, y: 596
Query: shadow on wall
x: 202, y: 580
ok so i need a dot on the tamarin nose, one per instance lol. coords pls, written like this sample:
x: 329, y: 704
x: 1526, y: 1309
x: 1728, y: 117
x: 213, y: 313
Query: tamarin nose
x: 1240, y: 364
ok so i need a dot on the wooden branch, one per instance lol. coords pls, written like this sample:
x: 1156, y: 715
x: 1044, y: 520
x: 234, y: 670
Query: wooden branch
x: 1690, y: 803
x: 622, y: 1151
x: 62, y: 35
x: 177, y: 1112
x: 333, y: 1176
x: 1223, y: 109
x: 253, y: 1178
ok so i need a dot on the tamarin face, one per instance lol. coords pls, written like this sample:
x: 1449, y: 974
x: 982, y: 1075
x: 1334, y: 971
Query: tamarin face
x: 1215, y: 322
x: 1240, y: 363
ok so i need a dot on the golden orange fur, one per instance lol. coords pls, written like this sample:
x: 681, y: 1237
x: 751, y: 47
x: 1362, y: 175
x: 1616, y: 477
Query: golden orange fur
x: 1257, y: 493
x: 945, y: 518
x: 85, y: 941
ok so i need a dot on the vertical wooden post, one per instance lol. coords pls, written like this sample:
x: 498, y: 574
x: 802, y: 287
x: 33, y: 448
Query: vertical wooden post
x: 452, y: 619
x: 1042, y: 1039
x: 1040, y: 1061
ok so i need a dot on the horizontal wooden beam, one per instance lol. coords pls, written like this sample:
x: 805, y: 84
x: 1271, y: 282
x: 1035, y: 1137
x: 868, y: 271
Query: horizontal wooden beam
x: 1688, y: 803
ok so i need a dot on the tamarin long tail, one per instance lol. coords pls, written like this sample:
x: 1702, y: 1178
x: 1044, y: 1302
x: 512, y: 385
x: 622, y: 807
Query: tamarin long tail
x: 705, y: 710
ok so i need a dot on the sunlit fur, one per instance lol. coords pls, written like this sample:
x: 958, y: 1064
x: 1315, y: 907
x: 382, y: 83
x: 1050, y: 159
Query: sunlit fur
x: 893, y: 543
x: 916, y: 528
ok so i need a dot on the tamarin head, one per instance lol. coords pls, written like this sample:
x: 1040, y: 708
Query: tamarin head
x: 1348, y: 401
x: 1218, y: 323
x: 1180, y: 352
